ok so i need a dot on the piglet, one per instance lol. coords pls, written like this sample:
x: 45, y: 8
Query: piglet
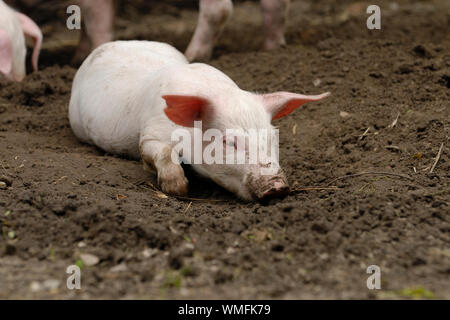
x: 129, y: 97
x: 13, y: 27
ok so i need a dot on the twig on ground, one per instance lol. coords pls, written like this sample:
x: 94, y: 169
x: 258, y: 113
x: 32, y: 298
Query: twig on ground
x: 437, y: 158
x: 200, y: 199
x: 371, y: 173
x: 364, y: 134
x: 394, y: 123
x: 395, y: 148
x: 314, y: 189
x: 162, y: 195
x: 187, y: 208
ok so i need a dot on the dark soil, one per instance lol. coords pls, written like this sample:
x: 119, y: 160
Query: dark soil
x: 63, y: 198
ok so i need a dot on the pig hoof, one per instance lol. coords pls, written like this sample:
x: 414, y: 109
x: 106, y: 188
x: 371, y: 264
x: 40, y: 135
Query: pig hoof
x: 198, y: 54
x: 274, y: 44
x: 176, y: 187
x: 172, y: 181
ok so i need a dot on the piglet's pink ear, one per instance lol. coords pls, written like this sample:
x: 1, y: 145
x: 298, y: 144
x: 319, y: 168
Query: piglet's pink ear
x: 30, y: 29
x: 280, y: 104
x: 184, y: 110
x: 6, y: 52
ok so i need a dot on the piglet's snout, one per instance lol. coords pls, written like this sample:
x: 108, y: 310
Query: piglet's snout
x: 270, y: 187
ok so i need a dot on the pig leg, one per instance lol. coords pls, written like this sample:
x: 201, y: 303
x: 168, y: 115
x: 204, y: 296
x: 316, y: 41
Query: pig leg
x: 98, y: 19
x: 83, y: 49
x: 274, y: 17
x: 171, y: 177
x: 6, y: 54
x: 213, y: 16
x: 30, y: 29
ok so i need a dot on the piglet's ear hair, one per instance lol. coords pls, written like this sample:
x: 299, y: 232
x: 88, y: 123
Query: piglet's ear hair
x: 280, y: 104
x: 30, y: 29
x: 184, y: 110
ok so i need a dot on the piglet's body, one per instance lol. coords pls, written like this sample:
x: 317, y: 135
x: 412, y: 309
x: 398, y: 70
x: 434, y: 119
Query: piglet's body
x: 14, y: 26
x: 129, y: 96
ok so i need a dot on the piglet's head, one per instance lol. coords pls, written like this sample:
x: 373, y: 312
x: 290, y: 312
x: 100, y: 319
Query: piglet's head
x: 245, y: 112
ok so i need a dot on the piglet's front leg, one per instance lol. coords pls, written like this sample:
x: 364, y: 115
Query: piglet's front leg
x: 171, y: 177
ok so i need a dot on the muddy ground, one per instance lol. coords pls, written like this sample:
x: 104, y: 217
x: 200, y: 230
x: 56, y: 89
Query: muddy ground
x: 65, y: 199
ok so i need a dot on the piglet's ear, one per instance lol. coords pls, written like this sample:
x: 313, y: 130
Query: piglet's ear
x: 280, y: 104
x: 6, y: 53
x: 184, y: 110
x: 30, y: 29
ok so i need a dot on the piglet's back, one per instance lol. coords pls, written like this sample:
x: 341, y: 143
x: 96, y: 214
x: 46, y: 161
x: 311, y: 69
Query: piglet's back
x: 103, y: 107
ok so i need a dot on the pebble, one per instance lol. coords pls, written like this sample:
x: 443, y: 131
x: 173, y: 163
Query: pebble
x: 6, y: 180
x: 149, y: 252
x: 344, y: 114
x: 35, y: 286
x: 3, y: 185
x: 50, y: 284
x: 119, y: 268
x: 89, y: 259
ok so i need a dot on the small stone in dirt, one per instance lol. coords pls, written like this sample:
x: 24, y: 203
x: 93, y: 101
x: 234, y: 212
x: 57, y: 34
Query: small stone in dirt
x: 7, y: 180
x: 344, y: 114
x: 317, y: 82
x: 119, y: 268
x: 51, y: 284
x: 230, y: 250
x: 149, y: 252
x: 3, y: 185
x: 89, y: 259
x: 35, y: 286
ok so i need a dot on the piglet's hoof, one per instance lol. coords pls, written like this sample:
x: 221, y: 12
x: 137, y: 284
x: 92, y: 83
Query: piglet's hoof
x: 172, y: 181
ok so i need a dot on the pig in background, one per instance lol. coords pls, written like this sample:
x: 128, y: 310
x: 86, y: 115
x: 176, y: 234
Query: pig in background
x: 128, y: 97
x: 14, y: 26
x: 98, y: 19
x: 98, y: 24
